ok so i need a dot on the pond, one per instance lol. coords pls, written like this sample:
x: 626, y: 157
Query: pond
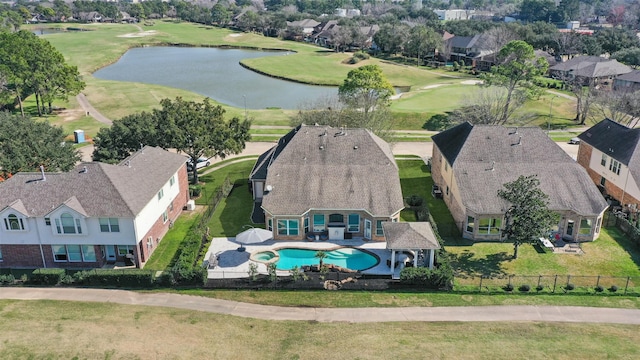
x: 215, y: 73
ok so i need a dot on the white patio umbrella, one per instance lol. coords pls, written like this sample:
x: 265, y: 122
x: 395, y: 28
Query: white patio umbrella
x: 253, y: 236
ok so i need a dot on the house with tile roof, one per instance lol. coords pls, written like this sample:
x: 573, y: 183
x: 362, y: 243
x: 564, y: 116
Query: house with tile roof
x: 589, y: 70
x: 472, y: 162
x: 92, y: 215
x: 610, y: 152
x: 322, y: 180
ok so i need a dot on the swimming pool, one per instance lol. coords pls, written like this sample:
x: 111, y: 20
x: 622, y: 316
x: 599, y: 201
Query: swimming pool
x: 350, y: 258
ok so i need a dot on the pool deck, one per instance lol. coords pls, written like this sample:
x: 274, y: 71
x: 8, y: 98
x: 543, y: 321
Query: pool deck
x: 235, y: 264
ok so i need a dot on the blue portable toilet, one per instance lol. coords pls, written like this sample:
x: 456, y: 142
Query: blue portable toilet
x: 78, y: 136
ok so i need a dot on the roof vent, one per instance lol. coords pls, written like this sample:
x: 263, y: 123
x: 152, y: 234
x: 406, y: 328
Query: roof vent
x: 128, y: 163
x: 84, y: 170
x: 514, y: 131
x: 519, y: 141
x: 268, y: 188
x: 493, y: 166
x: 355, y: 147
x: 44, y: 178
x: 321, y: 147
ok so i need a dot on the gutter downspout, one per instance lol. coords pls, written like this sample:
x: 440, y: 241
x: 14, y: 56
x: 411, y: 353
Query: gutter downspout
x: 44, y: 264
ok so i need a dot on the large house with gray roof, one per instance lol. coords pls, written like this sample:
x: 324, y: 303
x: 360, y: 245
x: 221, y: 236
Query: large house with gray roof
x: 611, y: 154
x: 589, y: 70
x: 329, y: 182
x: 92, y: 215
x: 472, y: 162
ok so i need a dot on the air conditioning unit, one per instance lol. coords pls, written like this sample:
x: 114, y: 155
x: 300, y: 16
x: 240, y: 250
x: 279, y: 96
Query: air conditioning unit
x: 191, y: 205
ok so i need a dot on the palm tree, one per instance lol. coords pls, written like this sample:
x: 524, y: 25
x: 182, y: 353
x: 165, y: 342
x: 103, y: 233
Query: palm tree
x: 321, y: 255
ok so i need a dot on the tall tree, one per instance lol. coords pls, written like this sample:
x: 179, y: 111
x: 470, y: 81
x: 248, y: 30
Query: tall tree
x: 25, y: 144
x: 422, y: 41
x: 516, y: 70
x: 528, y: 216
x: 196, y: 129
x: 366, y: 88
x: 630, y: 56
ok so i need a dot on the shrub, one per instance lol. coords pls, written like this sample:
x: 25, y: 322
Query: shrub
x: 456, y: 66
x: 508, y: 288
x: 438, y: 278
x: 438, y: 122
x: 253, y: 271
x: 66, y: 280
x: 7, y: 279
x: 415, y: 200
x: 613, y: 288
x: 599, y: 288
x: 422, y: 213
x: 524, y: 288
x: 195, y: 190
x: 570, y: 287
x: 120, y: 278
x: 47, y: 276
x: 539, y: 288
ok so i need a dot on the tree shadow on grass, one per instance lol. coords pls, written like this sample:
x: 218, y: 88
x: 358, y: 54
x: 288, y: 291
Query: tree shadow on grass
x: 467, y: 264
x: 626, y: 243
x: 237, y: 209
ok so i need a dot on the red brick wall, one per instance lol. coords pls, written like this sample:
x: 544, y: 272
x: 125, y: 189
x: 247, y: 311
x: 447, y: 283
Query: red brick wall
x: 29, y: 256
x: 584, y: 155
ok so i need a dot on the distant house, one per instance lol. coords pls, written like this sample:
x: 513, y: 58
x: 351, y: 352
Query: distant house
x: 93, y: 215
x: 91, y: 16
x: 476, y: 51
x: 471, y: 163
x: 307, y: 25
x: 589, y: 70
x: 611, y: 154
x: 628, y: 82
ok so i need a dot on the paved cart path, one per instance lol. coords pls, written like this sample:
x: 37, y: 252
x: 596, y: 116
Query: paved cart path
x: 571, y: 314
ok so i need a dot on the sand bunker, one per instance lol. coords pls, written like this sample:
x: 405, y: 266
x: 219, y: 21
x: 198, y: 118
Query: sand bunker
x: 471, y: 82
x: 139, y: 34
x: 235, y: 35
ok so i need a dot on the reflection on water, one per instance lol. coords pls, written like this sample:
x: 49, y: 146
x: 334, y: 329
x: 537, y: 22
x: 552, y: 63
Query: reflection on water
x: 215, y: 73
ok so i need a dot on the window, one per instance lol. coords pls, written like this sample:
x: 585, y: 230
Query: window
x: 603, y: 162
x: 336, y: 218
x: 598, y: 223
x: 614, y: 166
x: 88, y: 253
x: 59, y: 252
x: 0, y: 253
x: 288, y: 227
x: 447, y: 192
x: 165, y: 216
x: 471, y: 223
x: 67, y: 224
x: 446, y: 166
x: 354, y: 223
x: 109, y: 225
x: 171, y: 206
x: 306, y: 225
x: 123, y: 250
x: 585, y: 227
x: 74, y: 253
x: 603, y: 181
x: 172, y: 181
x: 12, y: 223
x: 379, y: 229
x: 160, y: 194
x: 318, y: 222
x: 489, y: 226
x: 270, y: 226
x: 47, y: 221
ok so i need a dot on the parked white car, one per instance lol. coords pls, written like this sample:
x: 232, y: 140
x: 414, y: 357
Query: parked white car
x: 200, y: 163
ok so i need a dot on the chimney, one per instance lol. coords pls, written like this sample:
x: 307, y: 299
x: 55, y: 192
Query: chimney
x: 44, y: 178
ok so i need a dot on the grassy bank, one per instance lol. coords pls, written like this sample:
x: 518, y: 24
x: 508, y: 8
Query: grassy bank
x: 110, y: 331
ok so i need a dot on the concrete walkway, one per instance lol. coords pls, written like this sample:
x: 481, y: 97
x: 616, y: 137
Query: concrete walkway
x: 570, y: 314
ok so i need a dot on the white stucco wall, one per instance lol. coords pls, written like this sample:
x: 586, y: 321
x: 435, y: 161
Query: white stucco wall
x: 624, y: 180
x: 154, y: 209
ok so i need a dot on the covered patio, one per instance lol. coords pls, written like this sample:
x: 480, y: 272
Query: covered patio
x: 413, y: 237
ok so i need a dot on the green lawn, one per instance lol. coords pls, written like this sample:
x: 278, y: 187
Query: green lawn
x: 77, y: 330
x: 168, y: 247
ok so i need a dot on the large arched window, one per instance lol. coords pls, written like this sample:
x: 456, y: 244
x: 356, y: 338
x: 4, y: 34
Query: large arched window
x: 13, y: 222
x: 67, y: 224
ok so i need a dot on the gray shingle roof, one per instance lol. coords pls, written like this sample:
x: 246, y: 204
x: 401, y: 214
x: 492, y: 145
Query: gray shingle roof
x: 592, y: 67
x: 409, y: 235
x: 102, y: 190
x: 484, y: 157
x: 617, y: 141
x: 633, y: 76
x: 312, y: 170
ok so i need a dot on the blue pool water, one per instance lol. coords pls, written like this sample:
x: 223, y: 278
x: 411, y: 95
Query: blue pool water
x: 353, y: 259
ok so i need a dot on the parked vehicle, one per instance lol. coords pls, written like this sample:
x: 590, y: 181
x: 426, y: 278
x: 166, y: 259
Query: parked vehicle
x: 200, y: 163
x: 574, y: 141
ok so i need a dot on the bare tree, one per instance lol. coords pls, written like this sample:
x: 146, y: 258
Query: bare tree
x: 487, y: 107
x: 497, y: 37
x: 621, y: 107
x: 567, y: 43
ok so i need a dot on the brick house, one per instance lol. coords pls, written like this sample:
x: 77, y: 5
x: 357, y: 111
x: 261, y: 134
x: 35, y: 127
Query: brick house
x: 328, y: 182
x: 92, y: 215
x: 589, y: 70
x: 472, y: 162
x: 611, y: 154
